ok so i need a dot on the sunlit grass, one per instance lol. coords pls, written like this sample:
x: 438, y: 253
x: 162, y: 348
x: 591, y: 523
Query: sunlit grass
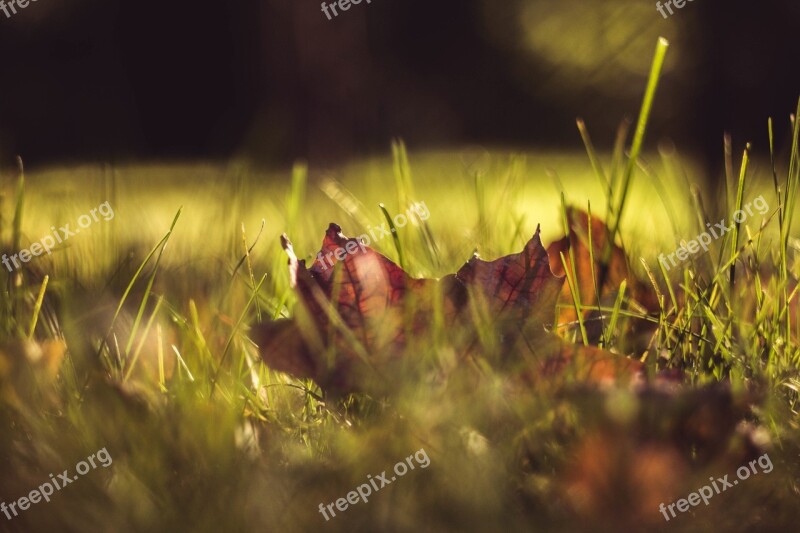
x: 140, y: 344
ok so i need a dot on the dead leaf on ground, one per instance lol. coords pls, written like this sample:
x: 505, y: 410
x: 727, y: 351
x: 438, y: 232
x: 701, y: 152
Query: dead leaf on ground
x: 607, y: 278
x: 358, y: 310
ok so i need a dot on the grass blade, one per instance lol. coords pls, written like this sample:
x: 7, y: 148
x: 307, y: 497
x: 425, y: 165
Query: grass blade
x: 37, y: 307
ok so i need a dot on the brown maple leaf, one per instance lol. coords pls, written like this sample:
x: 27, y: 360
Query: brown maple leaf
x: 357, y: 310
x: 519, y: 287
x: 607, y: 277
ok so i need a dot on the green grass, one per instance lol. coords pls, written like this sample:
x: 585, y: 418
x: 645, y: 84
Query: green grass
x: 154, y: 307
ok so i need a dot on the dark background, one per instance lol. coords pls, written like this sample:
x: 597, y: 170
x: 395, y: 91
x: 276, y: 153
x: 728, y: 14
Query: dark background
x: 275, y: 80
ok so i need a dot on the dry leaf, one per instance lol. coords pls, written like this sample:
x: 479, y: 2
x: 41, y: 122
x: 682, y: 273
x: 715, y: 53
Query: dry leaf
x: 357, y: 310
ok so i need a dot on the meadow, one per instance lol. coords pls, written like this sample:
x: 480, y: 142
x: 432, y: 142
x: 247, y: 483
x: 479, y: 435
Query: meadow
x: 135, y: 337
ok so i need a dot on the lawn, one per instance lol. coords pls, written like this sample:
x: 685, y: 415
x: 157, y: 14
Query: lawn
x: 135, y: 336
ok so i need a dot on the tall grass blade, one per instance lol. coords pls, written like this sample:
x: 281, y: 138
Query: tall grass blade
x: 37, y: 307
x: 636, y: 148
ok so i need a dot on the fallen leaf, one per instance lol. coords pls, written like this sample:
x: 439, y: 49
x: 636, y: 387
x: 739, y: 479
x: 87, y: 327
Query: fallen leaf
x: 595, y: 278
x: 519, y: 287
x: 357, y: 311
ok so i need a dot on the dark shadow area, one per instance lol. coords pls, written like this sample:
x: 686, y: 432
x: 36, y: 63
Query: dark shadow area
x: 276, y: 80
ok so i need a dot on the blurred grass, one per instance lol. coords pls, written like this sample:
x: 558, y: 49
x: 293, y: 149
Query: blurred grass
x: 266, y: 449
x: 523, y: 191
